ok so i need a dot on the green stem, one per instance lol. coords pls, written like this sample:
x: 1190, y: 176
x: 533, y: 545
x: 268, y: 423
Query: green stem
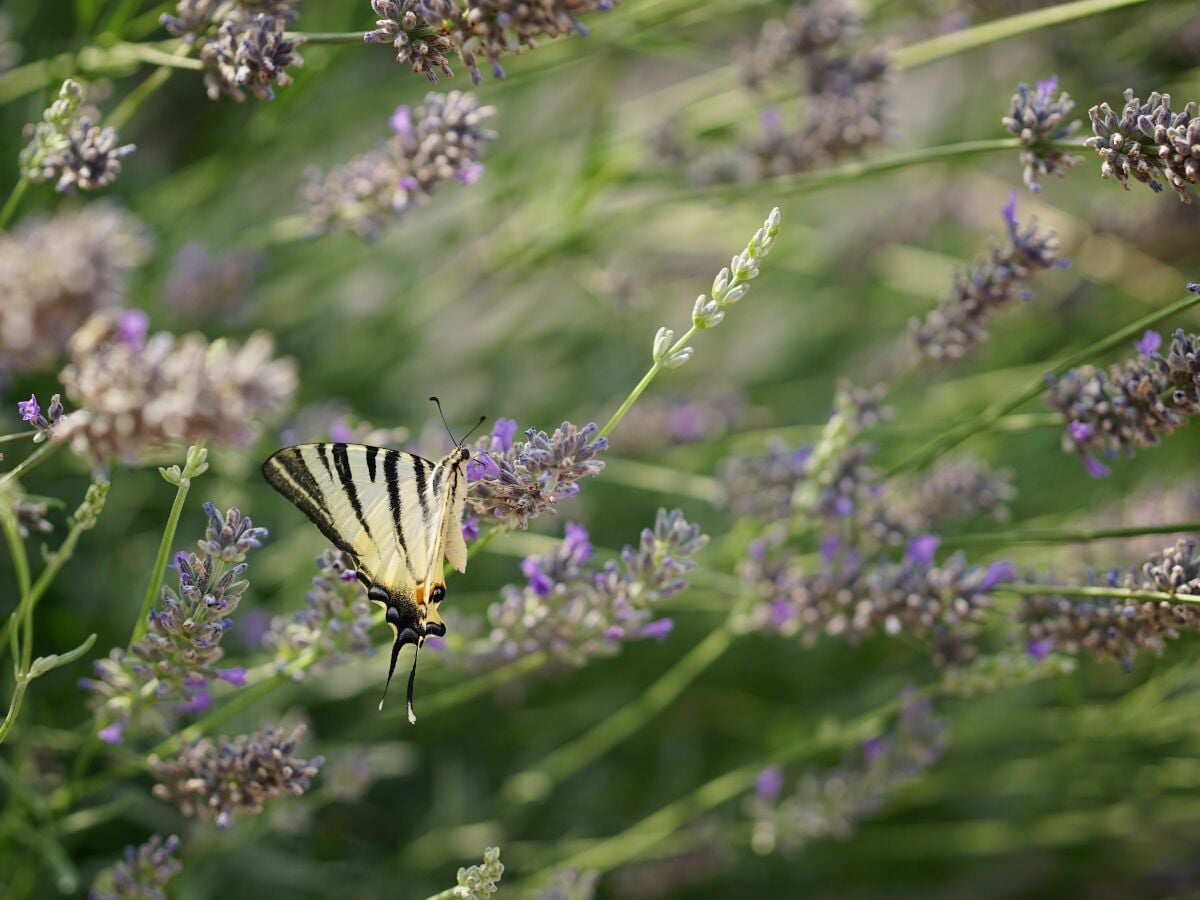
x: 1104, y: 593
x: 32, y: 461
x: 148, y: 53
x: 13, y: 201
x: 16, y: 436
x: 124, y: 110
x: 168, y: 539
x: 958, y: 434
x: 24, y: 617
x: 944, y: 45
x: 534, y: 784
x: 328, y: 37
x: 1066, y: 536
x: 636, y: 840
x: 644, y: 383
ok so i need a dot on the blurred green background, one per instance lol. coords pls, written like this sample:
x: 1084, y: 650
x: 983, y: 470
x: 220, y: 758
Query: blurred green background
x: 535, y: 294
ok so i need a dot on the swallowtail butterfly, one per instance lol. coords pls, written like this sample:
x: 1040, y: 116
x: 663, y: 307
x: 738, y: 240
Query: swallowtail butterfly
x: 396, y: 514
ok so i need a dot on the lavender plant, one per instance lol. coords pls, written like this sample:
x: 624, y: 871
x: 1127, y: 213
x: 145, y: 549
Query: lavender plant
x: 69, y: 148
x: 1148, y: 141
x: 440, y: 141
x: 218, y: 780
x: 142, y: 873
x: 1039, y: 119
x: 171, y: 670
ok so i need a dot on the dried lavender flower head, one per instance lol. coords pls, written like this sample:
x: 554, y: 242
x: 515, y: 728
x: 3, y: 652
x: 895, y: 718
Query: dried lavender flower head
x: 142, y: 873
x: 423, y: 32
x: 69, y: 148
x: 216, y: 780
x: 1147, y: 142
x: 1039, y: 119
x: 440, y: 141
x: 136, y: 393
x: 56, y: 272
x: 959, y: 323
x: 249, y: 56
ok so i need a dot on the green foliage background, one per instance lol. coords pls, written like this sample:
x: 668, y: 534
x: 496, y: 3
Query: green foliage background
x: 534, y: 294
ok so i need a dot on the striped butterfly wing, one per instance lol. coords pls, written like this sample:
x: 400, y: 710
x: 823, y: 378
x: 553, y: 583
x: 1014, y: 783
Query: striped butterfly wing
x: 377, y: 505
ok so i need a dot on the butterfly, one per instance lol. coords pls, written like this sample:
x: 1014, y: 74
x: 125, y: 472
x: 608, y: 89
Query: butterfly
x: 396, y: 514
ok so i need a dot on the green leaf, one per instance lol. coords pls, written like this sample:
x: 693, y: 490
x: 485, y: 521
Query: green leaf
x: 44, y: 664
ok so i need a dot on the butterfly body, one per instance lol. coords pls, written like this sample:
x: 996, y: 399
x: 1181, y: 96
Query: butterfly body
x: 398, y: 516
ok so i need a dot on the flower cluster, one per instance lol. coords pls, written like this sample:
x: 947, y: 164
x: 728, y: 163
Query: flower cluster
x: 69, y: 148
x: 1039, y: 119
x: 218, y: 779
x: 853, y: 598
x: 194, y: 19
x: 574, y: 612
x: 831, y: 803
x: 1116, y: 629
x: 170, y: 670
x: 56, y: 272
x: 440, y: 141
x: 251, y: 56
x: 31, y: 411
x: 730, y: 285
x: 513, y: 481
x: 960, y: 321
x: 845, y: 78
x: 480, y: 882
x: 215, y: 287
x: 423, y: 32
x: 1131, y: 404
x: 135, y: 393
x: 141, y: 874
x: 334, y: 625
x: 1147, y: 142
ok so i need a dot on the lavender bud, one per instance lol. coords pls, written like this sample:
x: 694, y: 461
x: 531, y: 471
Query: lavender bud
x: 141, y: 874
x: 678, y: 358
x: 663, y: 340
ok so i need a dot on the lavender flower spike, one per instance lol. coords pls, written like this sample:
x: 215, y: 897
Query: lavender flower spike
x: 1039, y: 119
x: 1147, y: 142
x: 142, y: 873
x: 480, y: 882
x: 67, y: 147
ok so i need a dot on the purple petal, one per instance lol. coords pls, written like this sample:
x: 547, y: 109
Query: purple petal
x: 999, y: 572
x: 539, y: 582
x: 659, y: 629
x: 843, y: 507
x: 470, y: 528
x: 469, y: 174
x: 781, y: 611
x: 339, y: 432
x: 615, y: 633
x: 235, y: 675
x: 112, y: 734
x: 503, y: 433
x: 132, y: 326
x: 1046, y: 88
x: 401, y: 121
x: 830, y: 547
x: 769, y: 783
x: 200, y: 702
x: 576, y: 545
x: 1150, y: 342
x: 1039, y: 650
x: 1080, y: 432
x: 409, y: 183
x: 921, y: 549
x: 1010, y: 210
x: 1095, y: 468
x: 874, y: 748
x: 29, y: 409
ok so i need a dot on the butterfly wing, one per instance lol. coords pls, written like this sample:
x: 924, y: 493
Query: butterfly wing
x: 370, y: 502
x: 453, y: 543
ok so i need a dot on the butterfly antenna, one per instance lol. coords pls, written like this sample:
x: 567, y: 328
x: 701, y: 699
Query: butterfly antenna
x: 482, y: 419
x: 438, y: 403
x: 412, y: 680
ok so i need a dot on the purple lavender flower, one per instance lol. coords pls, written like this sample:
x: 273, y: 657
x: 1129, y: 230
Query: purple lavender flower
x: 574, y: 612
x: 29, y: 409
x: 1040, y: 649
x: 441, y: 140
x: 249, y: 56
x: 513, y: 484
x: 831, y: 803
x: 1129, y: 405
x: 960, y: 321
x: 1039, y: 119
x: 142, y: 873
x: 921, y: 549
x: 218, y: 779
x: 769, y: 783
x: 131, y: 327
x: 1150, y: 342
x: 470, y: 528
x: 334, y: 624
x: 168, y: 672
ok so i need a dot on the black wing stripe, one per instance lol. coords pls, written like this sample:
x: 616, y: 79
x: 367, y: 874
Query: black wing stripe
x: 292, y: 462
x: 341, y: 461
x: 391, y: 474
x: 438, y: 474
x: 324, y: 459
x: 419, y: 474
x: 372, y: 452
